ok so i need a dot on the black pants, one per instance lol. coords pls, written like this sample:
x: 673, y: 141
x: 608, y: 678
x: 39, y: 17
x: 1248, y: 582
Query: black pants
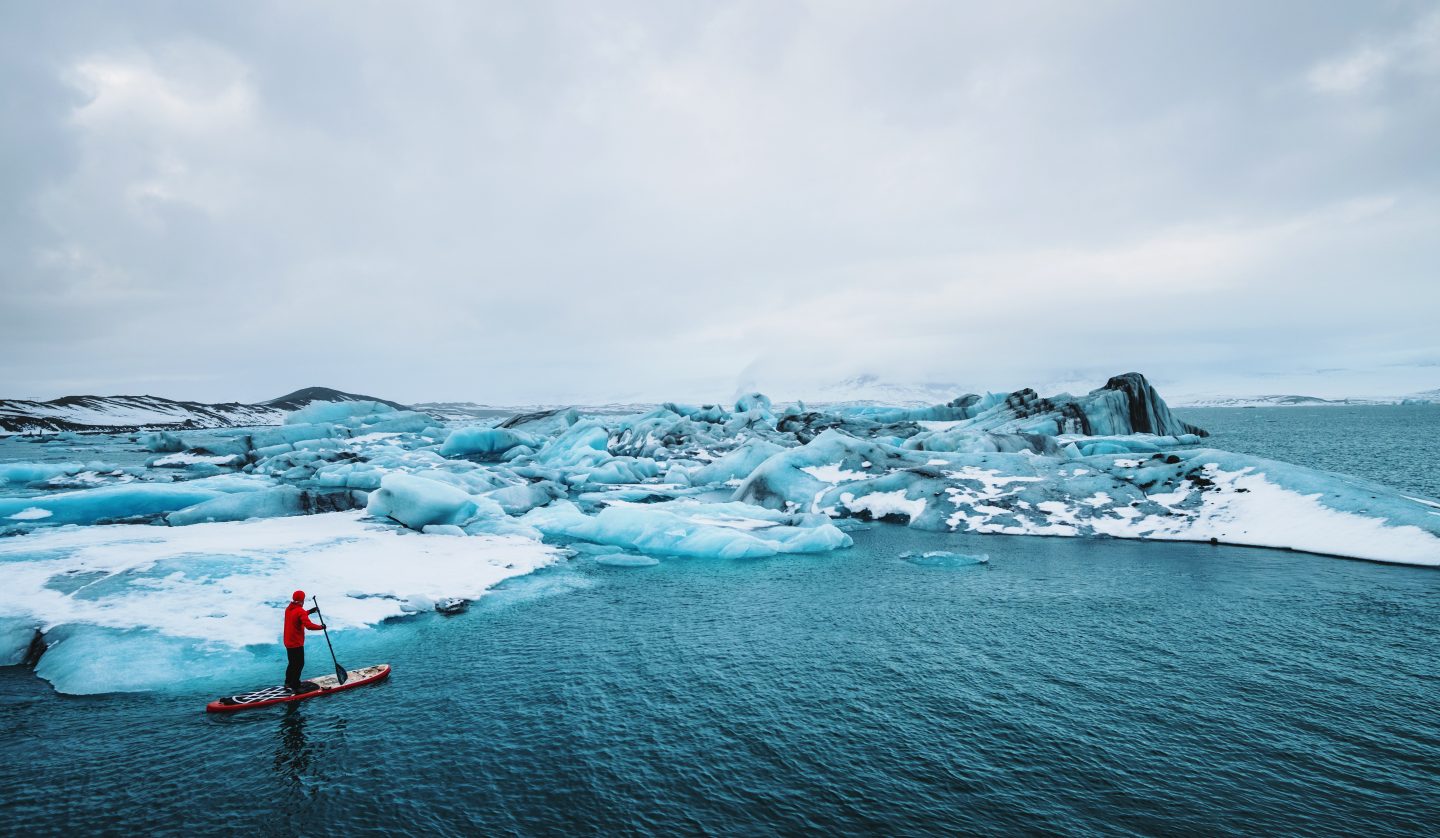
x: 297, y: 663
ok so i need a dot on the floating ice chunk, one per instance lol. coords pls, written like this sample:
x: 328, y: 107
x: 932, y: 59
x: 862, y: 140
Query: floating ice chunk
x: 516, y: 453
x: 543, y: 422
x: 673, y: 529
x: 130, y: 500
x: 418, y: 501
x: 88, y: 659
x: 626, y: 560
x: 318, y: 412
x: 34, y: 513
x: 1185, y: 495
x: 274, y: 502
x: 177, y: 605
x: 484, y: 443
x: 163, y: 442
x: 16, y: 635
x: 398, y: 422
x: 585, y: 443
x: 586, y: 548
x: 616, y: 470
x: 944, y: 559
x: 187, y: 459
x: 521, y: 498
x: 291, y: 434
x: 48, y: 475
x: 737, y: 463
x: 753, y: 401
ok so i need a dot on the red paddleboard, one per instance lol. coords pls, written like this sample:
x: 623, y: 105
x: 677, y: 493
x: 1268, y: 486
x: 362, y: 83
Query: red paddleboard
x: 279, y: 695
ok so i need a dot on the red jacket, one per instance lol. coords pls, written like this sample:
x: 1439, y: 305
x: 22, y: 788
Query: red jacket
x: 296, y: 621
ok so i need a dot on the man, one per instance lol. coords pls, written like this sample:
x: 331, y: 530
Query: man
x: 296, y: 621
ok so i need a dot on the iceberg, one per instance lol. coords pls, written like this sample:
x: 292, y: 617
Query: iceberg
x: 1187, y: 495
x: 483, y: 442
x: 330, y: 412
x: 163, y: 442
x: 944, y: 559
x: 180, y: 600
x: 692, y: 529
x: 448, y: 512
x: 1115, y: 462
x: 418, y: 502
x: 132, y: 501
x: 56, y: 475
x: 17, y: 635
x: 626, y: 560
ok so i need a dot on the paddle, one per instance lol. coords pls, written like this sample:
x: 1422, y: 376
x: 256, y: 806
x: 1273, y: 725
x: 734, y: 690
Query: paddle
x: 340, y: 672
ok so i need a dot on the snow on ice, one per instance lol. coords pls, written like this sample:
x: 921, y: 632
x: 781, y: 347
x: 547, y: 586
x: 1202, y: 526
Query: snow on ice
x: 400, y: 510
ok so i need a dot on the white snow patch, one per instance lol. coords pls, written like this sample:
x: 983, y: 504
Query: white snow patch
x: 833, y: 473
x: 34, y: 513
x: 224, y: 583
x: 1268, y: 515
x: 184, y: 458
x: 880, y: 504
x: 936, y: 425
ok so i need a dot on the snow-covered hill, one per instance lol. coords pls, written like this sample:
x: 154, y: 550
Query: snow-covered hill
x: 1301, y: 401
x: 465, y: 411
x: 126, y: 413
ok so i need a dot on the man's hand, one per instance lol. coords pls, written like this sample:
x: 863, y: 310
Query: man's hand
x: 312, y: 610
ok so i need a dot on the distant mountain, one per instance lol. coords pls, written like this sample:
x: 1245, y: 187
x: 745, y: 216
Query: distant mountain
x: 303, y: 397
x: 1255, y: 401
x: 130, y: 413
x: 1274, y: 401
x: 459, y: 411
x: 464, y: 411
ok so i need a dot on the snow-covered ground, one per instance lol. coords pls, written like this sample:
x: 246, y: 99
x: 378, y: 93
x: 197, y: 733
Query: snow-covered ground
x: 79, y: 413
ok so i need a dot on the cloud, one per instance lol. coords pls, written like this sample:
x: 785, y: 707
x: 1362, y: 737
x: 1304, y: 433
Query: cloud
x: 550, y: 202
x: 1414, y: 51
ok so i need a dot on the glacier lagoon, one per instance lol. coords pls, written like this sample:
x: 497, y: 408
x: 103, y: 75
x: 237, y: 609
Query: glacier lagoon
x: 1069, y: 685
x: 630, y: 520
x: 167, y: 546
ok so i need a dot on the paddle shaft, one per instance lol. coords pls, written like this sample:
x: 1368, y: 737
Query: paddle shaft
x: 340, y: 672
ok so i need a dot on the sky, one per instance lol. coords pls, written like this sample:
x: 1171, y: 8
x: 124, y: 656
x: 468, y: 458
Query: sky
x: 545, y: 202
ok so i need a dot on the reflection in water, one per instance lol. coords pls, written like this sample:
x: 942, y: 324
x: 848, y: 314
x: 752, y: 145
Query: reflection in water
x: 293, y: 754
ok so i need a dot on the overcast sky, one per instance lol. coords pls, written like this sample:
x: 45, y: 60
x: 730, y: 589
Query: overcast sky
x: 538, y: 201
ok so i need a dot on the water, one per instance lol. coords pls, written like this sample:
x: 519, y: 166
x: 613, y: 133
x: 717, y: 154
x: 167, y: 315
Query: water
x: 1395, y: 445
x: 1073, y: 686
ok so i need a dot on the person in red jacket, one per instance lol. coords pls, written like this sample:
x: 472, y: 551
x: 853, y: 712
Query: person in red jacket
x: 297, y: 619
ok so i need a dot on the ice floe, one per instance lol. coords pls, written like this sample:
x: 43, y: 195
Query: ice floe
x: 174, y: 592
x: 397, y: 509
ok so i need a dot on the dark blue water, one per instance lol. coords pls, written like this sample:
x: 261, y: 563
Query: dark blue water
x: 1069, y: 686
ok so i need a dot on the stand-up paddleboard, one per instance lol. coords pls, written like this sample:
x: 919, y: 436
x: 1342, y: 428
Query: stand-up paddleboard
x: 279, y: 695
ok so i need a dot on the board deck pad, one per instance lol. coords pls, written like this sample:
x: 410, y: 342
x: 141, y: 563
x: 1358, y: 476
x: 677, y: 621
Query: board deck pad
x: 279, y: 694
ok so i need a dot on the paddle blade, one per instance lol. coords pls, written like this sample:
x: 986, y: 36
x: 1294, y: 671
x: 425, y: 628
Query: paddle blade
x: 341, y: 674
